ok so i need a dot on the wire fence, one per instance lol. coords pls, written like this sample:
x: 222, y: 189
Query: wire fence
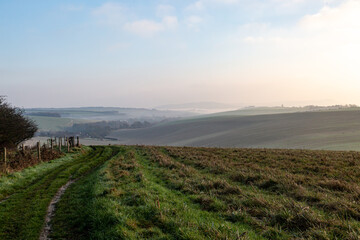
x: 16, y: 159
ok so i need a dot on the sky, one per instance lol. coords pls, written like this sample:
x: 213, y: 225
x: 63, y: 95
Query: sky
x: 134, y: 53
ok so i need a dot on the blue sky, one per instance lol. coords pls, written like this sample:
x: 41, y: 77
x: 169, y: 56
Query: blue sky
x: 147, y: 53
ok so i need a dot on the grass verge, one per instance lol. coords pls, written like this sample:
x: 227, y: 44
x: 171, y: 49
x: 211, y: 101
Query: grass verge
x: 23, y: 213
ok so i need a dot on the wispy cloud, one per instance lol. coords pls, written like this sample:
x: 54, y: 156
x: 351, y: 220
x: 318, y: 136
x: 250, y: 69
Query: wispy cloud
x: 344, y: 17
x: 110, y: 13
x: 147, y: 28
x: 193, y: 21
x: 170, y: 22
x: 196, y: 6
x: 115, y: 14
x: 165, y: 10
x: 201, y: 4
x: 323, y: 46
x: 144, y: 27
x: 331, y: 25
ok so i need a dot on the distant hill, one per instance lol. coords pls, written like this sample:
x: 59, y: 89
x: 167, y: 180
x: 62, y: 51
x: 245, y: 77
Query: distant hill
x: 54, y: 123
x: 336, y: 130
x: 250, y: 111
x: 56, y: 119
x: 110, y: 113
x: 198, y: 107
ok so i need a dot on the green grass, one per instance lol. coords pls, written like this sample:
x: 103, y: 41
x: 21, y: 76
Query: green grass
x: 23, y: 213
x: 144, y: 192
x: 126, y: 200
x: 204, y: 193
x: 19, y: 180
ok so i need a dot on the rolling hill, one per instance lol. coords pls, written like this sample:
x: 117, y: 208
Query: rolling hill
x: 333, y: 130
x: 109, y: 113
x: 198, y: 107
x: 57, y: 119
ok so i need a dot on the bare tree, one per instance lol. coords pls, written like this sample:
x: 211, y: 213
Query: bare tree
x: 14, y: 126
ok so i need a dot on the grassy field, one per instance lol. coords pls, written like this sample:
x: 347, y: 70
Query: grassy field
x: 139, y: 192
x: 337, y: 130
x: 54, y: 123
x: 69, y: 116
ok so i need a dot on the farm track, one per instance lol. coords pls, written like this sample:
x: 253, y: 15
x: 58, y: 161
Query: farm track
x: 22, y: 214
x: 129, y: 189
x: 51, y: 210
x: 145, y: 192
x: 41, y: 177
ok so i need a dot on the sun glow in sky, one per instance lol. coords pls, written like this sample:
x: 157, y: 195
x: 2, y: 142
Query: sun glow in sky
x: 134, y: 53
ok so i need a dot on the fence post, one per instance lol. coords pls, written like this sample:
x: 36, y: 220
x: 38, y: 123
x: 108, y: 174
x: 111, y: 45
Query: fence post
x: 5, y: 160
x: 38, y: 151
x: 51, y: 145
x: 60, y: 140
x: 72, y: 141
x: 68, y: 145
x: 77, y: 141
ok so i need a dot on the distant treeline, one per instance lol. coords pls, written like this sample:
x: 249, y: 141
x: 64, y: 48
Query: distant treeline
x: 44, y: 114
x: 315, y: 107
x: 97, y: 129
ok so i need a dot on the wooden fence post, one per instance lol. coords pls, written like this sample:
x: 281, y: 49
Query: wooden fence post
x: 60, y: 140
x: 68, y: 145
x: 51, y: 145
x: 38, y: 151
x: 5, y: 160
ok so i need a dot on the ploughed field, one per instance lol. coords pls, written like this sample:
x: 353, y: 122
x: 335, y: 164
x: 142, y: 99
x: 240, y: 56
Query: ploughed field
x: 144, y: 192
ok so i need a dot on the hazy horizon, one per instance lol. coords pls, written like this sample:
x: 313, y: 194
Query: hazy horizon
x: 176, y: 106
x: 159, y: 52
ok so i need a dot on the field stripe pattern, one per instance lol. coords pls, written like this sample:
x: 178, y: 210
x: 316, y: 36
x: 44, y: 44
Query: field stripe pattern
x: 211, y: 193
x: 145, y: 192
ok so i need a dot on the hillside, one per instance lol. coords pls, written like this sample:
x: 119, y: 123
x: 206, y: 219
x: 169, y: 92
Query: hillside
x: 54, y: 123
x: 198, y: 107
x: 57, y: 119
x: 251, y: 111
x: 110, y: 113
x: 142, y: 192
x: 334, y: 130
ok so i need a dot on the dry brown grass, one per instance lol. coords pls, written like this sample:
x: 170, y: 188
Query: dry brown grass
x: 18, y: 160
x: 298, y: 193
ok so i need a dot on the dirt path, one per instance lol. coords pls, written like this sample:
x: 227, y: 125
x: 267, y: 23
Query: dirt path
x: 51, y: 210
x: 22, y: 215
